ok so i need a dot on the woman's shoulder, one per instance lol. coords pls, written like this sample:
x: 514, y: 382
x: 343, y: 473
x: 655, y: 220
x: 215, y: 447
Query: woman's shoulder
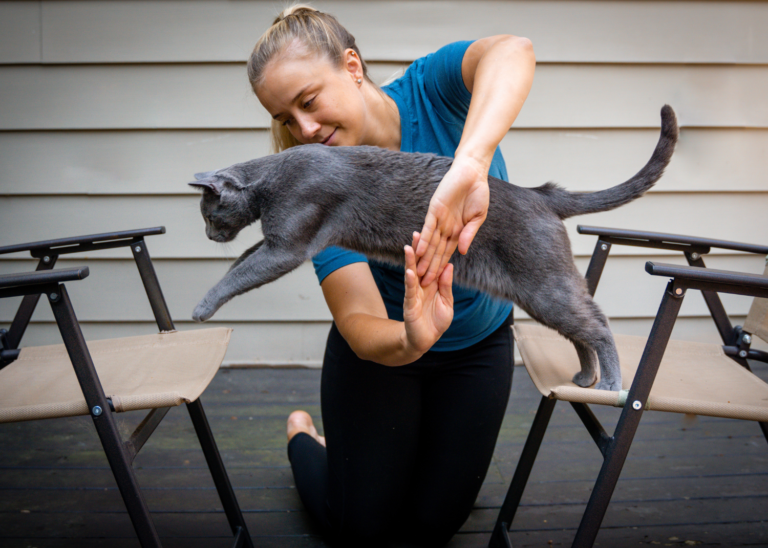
x: 439, y: 64
x: 433, y: 101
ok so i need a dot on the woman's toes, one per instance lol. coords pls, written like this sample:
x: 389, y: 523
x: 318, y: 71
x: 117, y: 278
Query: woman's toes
x: 298, y: 421
x: 301, y: 421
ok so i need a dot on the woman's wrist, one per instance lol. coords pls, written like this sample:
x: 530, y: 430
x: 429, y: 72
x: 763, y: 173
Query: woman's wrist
x: 409, y: 353
x: 479, y: 157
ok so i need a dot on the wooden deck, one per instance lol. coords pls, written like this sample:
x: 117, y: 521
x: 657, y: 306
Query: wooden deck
x: 704, y: 483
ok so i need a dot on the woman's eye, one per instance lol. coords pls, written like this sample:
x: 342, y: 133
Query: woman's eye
x: 287, y: 121
x: 308, y: 103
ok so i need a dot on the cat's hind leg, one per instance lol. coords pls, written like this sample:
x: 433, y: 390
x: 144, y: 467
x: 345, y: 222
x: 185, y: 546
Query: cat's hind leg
x: 562, y: 302
x: 588, y: 360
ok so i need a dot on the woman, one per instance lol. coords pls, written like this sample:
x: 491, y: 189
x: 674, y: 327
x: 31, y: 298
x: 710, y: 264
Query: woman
x: 416, y: 374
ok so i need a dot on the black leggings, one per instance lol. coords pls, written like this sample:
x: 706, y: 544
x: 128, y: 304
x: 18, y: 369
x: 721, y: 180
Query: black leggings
x: 408, y: 447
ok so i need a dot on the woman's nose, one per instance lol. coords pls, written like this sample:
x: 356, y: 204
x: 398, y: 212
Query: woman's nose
x: 309, y: 128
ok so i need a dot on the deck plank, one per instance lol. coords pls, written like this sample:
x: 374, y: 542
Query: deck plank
x: 703, y: 481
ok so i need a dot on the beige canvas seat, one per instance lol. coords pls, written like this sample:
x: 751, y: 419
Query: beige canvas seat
x: 657, y: 373
x: 693, y: 378
x: 100, y: 378
x: 145, y: 372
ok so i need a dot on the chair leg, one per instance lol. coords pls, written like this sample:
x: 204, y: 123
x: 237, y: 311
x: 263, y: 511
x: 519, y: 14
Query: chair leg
x: 764, y: 428
x: 125, y: 477
x: 103, y: 419
x: 606, y: 483
x: 617, y: 450
x: 220, y: 478
x: 500, y: 538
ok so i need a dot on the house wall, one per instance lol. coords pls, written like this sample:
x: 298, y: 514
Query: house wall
x: 108, y: 108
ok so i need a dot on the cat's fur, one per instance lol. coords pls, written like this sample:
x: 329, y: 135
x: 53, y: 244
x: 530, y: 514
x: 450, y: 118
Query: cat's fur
x: 371, y: 200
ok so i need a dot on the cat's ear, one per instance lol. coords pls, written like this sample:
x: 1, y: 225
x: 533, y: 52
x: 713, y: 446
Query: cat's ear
x: 205, y: 175
x: 211, y: 184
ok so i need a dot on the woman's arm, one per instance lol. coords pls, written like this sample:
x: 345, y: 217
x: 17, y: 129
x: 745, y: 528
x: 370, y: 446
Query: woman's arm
x: 498, y: 71
x: 361, y: 317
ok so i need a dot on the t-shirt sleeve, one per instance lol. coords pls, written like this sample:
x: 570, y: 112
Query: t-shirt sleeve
x: 333, y: 258
x: 444, y: 84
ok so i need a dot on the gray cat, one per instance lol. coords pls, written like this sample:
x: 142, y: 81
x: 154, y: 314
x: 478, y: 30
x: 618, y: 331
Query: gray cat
x: 371, y: 200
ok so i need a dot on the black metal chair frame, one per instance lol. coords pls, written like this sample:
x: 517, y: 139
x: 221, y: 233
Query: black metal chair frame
x: 615, y: 448
x: 120, y: 453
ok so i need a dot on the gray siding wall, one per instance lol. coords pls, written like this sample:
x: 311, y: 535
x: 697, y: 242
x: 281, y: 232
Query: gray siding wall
x: 108, y: 108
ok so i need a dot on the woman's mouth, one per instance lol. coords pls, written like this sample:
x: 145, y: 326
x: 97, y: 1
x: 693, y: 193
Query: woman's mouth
x: 327, y: 140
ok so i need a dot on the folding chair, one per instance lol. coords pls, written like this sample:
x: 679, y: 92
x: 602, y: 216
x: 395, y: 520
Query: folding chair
x: 658, y: 374
x: 105, y: 377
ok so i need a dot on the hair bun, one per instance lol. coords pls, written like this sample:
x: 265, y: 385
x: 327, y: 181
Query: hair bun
x: 293, y: 10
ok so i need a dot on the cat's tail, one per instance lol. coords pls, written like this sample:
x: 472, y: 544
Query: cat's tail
x: 568, y: 204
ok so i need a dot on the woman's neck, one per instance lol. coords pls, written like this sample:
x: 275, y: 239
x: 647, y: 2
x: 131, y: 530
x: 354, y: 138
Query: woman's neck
x: 383, y: 124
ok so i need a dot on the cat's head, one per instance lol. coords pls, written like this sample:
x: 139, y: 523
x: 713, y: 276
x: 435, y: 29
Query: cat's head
x: 224, y: 204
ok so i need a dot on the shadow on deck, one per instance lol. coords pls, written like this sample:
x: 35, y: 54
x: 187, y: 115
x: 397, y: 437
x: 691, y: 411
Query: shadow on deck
x: 700, y: 483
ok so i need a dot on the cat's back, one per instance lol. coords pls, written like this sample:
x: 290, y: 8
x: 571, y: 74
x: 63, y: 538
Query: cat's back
x: 391, y: 161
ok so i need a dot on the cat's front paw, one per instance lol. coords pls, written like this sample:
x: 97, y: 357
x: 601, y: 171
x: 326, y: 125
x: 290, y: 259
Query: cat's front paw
x: 585, y: 380
x: 203, y: 311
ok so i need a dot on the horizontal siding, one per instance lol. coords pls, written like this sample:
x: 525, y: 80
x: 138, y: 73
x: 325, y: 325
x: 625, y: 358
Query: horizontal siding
x: 161, y: 162
x: 595, y: 31
x: 219, y: 96
x: 119, y: 163
x: 20, y: 32
x: 303, y: 344
x: 108, y: 108
x: 113, y: 291
x: 739, y: 217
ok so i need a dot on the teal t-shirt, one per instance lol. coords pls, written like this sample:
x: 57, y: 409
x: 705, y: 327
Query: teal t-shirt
x: 433, y: 103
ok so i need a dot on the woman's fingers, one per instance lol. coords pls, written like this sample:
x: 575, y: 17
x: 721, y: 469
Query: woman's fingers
x: 426, y: 259
x: 430, y: 223
x: 412, y: 290
x: 410, y: 267
x: 468, y: 233
x: 416, y: 240
x: 443, y: 252
x: 445, y: 285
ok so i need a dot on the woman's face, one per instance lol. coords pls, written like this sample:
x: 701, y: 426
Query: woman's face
x: 317, y: 101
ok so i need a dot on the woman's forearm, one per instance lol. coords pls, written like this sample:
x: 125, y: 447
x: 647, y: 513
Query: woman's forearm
x: 499, y: 84
x: 361, y: 317
x: 378, y: 339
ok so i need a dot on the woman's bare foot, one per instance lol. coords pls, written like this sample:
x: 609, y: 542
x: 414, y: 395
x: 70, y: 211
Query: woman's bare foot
x: 300, y: 421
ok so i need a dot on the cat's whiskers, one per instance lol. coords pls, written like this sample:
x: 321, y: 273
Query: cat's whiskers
x: 227, y: 252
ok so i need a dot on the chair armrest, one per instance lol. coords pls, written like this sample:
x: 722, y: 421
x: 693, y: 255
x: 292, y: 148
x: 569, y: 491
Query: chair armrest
x: 713, y: 280
x: 77, y: 244
x: 43, y: 277
x: 661, y: 240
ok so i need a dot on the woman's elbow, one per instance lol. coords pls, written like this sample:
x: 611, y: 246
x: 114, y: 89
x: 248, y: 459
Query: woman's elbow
x: 519, y: 45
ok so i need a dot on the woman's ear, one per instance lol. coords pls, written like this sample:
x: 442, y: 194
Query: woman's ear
x: 353, y: 65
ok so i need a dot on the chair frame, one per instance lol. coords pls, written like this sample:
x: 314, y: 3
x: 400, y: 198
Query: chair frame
x: 120, y: 453
x: 616, y: 447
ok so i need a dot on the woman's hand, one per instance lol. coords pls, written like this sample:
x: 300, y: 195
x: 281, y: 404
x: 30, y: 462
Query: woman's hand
x: 427, y: 308
x: 457, y: 210
x: 498, y: 72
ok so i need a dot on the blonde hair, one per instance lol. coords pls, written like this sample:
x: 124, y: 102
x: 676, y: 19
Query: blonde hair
x: 320, y: 33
